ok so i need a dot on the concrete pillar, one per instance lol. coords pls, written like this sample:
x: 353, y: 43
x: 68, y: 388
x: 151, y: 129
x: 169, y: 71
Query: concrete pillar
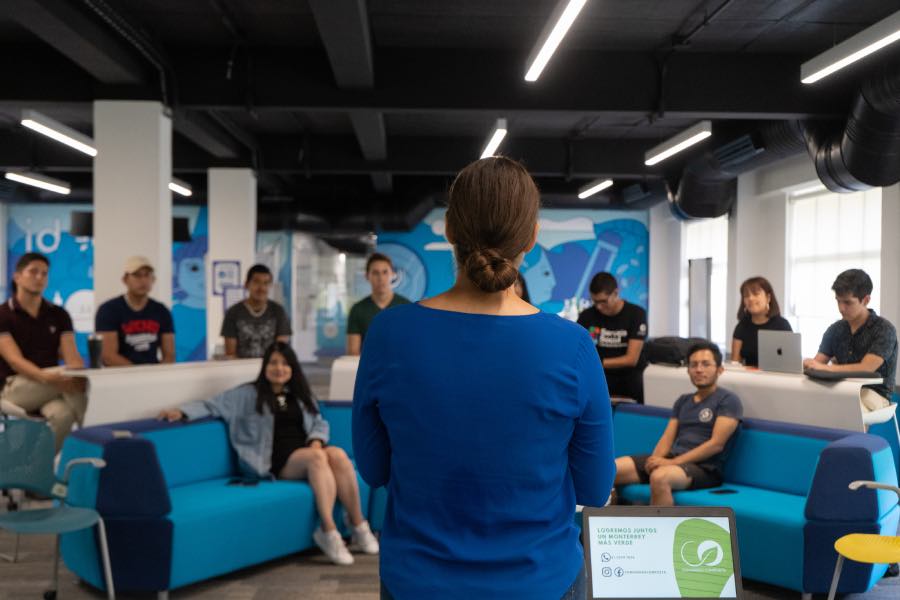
x: 232, y: 241
x: 666, y: 251
x: 132, y: 201
x: 890, y: 250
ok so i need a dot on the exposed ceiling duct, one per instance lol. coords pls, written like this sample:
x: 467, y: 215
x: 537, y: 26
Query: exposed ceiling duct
x: 866, y: 153
x: 707, y: 187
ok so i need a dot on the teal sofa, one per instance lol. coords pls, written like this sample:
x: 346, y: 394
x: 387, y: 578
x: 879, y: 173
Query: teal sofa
x: 787, y: 485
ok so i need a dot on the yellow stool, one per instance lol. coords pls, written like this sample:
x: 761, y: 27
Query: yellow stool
x: 865, y: 547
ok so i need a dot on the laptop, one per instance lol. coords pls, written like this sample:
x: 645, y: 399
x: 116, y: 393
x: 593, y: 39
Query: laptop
x: 780, y: 351
x: 661, y: 553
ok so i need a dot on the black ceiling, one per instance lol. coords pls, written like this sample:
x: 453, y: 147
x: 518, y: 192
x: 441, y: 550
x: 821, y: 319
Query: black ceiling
x: 354, y: 111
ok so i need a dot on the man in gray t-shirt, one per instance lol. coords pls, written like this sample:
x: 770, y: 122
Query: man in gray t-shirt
x: 690, y: 453
x: 251, y: 326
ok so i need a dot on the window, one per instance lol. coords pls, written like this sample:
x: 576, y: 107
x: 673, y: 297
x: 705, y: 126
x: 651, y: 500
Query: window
x: 707, y: 238
x: 829, y: 233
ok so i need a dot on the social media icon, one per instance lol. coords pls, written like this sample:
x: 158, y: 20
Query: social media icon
x: 606, y: 557
x: 607, y: 572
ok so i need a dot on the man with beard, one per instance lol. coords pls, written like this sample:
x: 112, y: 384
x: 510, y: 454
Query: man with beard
x: 690, y: 453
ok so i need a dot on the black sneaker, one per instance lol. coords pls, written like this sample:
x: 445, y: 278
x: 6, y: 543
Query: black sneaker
x: 893, y: 570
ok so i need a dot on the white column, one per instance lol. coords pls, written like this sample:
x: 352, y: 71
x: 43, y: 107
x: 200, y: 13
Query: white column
x: 666, y: 250
x: 232, y: 239
x: 132, y: 201
x: 890, y: 250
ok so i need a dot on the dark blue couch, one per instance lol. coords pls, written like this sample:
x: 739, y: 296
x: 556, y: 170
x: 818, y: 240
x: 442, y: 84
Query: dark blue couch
x: 171, y: 516
x: 787, y: 485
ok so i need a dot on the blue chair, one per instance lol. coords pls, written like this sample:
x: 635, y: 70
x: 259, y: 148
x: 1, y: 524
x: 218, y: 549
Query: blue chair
x: 26, y: 462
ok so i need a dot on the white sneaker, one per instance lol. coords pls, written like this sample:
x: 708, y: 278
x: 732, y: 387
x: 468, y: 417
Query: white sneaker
x: 363, y: 539
x: 333, y: 546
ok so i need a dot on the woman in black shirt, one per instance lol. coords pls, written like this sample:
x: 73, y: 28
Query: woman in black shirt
x: 759, y: 310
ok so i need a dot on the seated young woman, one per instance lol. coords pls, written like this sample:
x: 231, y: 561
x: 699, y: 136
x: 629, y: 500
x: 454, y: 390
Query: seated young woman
x: 282, y: 434
x: 759, y: 310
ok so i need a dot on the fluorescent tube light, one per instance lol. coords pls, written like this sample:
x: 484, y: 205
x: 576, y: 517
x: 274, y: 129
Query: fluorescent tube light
x: 496, y: 137
x: 180, y: 187
x: 594, y: 187
x: 864, y: 43
x: 40, y: 181
x: 674, y: 145
x: 61, y: 133
x: 560, y: 21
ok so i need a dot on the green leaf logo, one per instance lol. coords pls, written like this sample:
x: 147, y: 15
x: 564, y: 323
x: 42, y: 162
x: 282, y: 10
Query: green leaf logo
x: 701, y: 555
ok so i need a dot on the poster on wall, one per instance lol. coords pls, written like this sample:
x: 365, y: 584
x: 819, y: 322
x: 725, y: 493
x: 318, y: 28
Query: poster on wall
x: 572, y: 246
x: 44, y: 228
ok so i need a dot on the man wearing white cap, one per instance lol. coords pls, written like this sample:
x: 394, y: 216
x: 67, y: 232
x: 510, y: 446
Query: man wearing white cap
x: 135, y: 328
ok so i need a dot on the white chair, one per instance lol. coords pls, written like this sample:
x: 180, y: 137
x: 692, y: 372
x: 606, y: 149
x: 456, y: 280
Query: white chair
x: 343, y: 378
x: 882, y: 415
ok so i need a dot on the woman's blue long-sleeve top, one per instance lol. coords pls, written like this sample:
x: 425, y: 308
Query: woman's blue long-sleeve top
x: 249, y: 432
x: 487, y: 430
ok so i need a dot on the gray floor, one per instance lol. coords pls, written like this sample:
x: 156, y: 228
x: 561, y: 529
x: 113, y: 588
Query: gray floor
x: 306, y: 575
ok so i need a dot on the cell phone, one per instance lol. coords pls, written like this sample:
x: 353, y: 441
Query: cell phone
x: 243, y: 482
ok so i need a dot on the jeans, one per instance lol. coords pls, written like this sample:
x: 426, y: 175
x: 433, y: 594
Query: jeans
x: 575, y: 592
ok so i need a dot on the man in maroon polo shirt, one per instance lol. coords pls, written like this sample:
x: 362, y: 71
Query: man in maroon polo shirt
x: 34, y: 336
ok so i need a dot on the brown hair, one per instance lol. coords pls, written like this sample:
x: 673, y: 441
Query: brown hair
x: 376, y: 257
x: 759, y: 283
x: 492, y: 211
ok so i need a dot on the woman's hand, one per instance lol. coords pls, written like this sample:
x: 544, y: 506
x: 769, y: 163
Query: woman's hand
x: 171, y: 415
x: 316, y: 444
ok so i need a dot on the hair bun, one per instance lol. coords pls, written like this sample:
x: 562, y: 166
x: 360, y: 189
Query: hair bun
x: 489, y: 270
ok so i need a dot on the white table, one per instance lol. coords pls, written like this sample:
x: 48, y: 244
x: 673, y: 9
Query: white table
x: 138, y: 392
x: 786, y: 397
x: 343, y: 378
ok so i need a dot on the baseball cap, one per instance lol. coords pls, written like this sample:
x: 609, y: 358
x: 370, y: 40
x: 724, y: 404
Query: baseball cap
x: 136, y: 263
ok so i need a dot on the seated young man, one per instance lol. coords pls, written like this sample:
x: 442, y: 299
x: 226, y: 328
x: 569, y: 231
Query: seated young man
x: 689, y: 453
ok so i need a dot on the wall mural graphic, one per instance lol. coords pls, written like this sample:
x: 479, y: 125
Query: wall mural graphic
x: 44, y: 228
x: 572, y: 246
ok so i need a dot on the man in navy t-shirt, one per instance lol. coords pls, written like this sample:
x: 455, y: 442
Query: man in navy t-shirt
x: 135, y: 328
x: 690, y: 453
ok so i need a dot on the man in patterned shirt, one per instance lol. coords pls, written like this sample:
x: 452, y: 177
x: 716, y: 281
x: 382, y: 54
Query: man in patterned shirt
x: 860, y: 341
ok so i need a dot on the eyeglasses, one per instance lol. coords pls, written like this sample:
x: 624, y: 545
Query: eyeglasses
x: 703, y: 364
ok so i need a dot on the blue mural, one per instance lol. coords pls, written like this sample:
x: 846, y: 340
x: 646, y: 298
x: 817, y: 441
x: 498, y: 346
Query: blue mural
x: 189, y: 286
x: 572, y: 246
x: 44, y: 228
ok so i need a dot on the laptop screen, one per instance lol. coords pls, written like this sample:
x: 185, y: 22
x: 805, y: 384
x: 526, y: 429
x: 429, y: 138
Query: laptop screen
x: 649, y: 552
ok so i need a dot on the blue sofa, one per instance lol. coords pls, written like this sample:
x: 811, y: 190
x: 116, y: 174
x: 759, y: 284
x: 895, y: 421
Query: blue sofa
x: 172, y: 518
x: 787, y: 485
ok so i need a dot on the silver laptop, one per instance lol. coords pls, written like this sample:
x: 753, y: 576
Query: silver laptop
x: 780, y: 351
x: 657, y: 553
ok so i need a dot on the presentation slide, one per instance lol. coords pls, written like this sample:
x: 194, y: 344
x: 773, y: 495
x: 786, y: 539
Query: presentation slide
x: 661, y: 557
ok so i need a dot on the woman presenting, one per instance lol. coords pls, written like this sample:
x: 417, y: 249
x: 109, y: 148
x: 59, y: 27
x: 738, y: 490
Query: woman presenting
x: 487, y: 419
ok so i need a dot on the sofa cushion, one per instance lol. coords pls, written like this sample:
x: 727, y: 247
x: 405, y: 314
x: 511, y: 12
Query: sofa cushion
x: 769, y: 527
x: 773, y: 460
x: 219, y: 528
x: 190, y: 452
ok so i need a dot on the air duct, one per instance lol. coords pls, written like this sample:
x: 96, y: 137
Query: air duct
x: 707, y: 187
x: 867, y: 152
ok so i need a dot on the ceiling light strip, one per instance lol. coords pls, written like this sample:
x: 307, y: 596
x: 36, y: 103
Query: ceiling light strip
x: 40, y: 181
x: 594, y: 187
x: 674, y: 145
x: 180, y: 187
x: 864, y: 43
x: 560, y: 21
x: 496, y: 138
x: 55, y: 130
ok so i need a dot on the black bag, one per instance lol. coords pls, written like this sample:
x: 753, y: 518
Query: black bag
x: 669, y: 350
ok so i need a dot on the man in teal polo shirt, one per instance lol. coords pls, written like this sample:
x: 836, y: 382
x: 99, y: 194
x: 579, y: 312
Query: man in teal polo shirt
x: 379, y: 272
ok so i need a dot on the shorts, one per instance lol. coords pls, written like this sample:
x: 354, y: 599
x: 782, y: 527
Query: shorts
x: 703, y: 475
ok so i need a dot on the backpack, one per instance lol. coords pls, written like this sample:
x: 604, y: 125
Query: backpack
x: 669, y: 350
